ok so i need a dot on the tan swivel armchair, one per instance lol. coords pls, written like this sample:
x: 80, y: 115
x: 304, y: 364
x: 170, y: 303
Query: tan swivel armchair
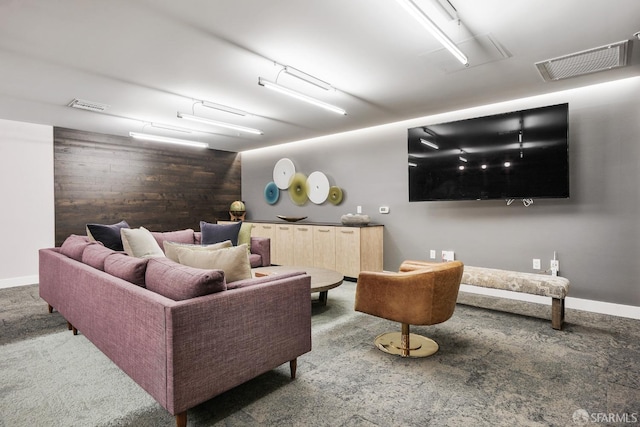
x: 421, y: 293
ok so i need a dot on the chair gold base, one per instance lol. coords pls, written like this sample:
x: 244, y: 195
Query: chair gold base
x: 419, y: 346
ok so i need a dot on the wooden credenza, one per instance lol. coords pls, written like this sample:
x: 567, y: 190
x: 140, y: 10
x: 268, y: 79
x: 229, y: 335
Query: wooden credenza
x: 348, y: 250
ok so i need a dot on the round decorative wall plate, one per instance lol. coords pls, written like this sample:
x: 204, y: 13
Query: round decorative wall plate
x: 283, y: 172
x: 335, y: 195
x: 271, y: 193
x: 317, y: 187
x: 298, y: 189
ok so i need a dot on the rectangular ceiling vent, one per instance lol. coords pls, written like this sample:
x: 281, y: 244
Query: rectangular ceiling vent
x: 585, y: 62
x: 88, y: 105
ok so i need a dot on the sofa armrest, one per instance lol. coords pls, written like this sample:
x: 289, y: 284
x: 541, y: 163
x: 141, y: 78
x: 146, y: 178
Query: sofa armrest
x: 222, y: 340
x: 262, y: 246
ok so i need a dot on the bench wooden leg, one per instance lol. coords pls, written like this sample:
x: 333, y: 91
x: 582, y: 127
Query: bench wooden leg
x: 293, y: 366
x: 557, y: 313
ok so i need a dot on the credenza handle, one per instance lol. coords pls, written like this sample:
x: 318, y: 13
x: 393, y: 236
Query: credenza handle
x: 303, y: 229
x: 324, y: 231
x: 268, y: 227
x: 283, y: 228
x: 346, y: 232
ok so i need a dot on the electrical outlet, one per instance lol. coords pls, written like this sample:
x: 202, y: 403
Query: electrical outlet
x: 555, y: 267
x: 536, y: 264
x: 448, y: 256
x: 432, y: 254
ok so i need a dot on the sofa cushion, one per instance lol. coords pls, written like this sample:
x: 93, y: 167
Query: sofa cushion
x: 74, y: 246
x: 180, y: 236
x: 127, y: 268
x: 170, y: 248
x: 215, y: 233
x: 95, y: 255
x: 234, y: 261
x: 108, y: 235
x: 181, y: 282
x: 140, y: 243
x: 244, y: 235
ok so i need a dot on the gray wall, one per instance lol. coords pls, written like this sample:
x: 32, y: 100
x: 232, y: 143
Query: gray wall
x: 596, y: 233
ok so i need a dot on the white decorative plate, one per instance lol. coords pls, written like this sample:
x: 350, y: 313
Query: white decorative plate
x: 283, y: 172
x: 317, y: 187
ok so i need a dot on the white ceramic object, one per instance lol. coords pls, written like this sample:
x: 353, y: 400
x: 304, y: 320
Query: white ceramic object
x: 317, y: 187
x: 283, y: 172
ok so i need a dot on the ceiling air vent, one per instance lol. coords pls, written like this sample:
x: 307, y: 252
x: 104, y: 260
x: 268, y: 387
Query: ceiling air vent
x: 585, y: 62
x: 88, y: 105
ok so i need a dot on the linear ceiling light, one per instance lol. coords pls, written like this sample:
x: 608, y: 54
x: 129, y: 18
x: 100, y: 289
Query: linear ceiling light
x: 220, y: 124
x: 225, y: 108
x: 170, y: 127
x: 158, y: 138
x: 300, y: 96
x: 427, y: 23
x: 307, y: 77
x: 429, y: 144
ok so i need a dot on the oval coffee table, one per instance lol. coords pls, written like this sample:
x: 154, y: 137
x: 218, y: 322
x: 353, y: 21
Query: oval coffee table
x: 322, y: 279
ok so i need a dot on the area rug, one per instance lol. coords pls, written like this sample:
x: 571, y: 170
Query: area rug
x: 500, y: 364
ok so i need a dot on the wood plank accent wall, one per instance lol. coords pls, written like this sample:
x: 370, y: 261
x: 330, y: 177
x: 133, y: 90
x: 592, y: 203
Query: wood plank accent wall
x: 105, y: 179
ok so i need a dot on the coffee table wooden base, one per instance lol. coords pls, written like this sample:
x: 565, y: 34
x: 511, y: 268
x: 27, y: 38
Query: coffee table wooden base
x: 322, y: 279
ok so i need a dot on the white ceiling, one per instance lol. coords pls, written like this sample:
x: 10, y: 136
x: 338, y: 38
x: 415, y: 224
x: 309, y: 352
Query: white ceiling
x: 148, y: 59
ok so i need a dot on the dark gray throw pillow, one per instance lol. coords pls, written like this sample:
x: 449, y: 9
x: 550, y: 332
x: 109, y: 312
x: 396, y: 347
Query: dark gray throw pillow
x: 216, y: 233
x: 109, y: 235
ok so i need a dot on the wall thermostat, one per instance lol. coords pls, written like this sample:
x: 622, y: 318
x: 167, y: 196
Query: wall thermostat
x: 384, y: 209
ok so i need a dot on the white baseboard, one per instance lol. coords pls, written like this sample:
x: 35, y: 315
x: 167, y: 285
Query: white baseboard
x: 19, y: 281
x: 601, y: 307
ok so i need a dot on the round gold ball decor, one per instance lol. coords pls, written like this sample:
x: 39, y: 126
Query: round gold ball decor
x: 335, y: 195
x: 298, y: 189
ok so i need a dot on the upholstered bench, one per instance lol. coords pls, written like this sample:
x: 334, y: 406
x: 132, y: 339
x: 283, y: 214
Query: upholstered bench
x: 537, y: 284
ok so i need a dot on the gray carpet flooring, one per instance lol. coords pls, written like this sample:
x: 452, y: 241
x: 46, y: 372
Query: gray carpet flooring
x: 500, y: 364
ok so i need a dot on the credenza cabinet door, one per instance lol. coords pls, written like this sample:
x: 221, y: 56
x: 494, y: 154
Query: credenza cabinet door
x: 303, y: 251
x: 324, y: 247
x: 283, y: 252
x: 348, y: 251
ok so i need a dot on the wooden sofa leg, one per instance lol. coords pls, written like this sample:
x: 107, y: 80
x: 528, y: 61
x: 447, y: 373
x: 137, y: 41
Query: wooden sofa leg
x: 181, y: 419
x: 557, y: 313
x: 69, y: 326
x: 50, y: 308
x: 293, y: 366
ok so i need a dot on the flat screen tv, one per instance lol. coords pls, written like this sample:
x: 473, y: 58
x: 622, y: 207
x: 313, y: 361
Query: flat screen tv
x: 517, y: 155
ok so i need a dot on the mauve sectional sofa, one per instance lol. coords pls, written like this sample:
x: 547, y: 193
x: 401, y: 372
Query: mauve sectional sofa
x: 182, y: 352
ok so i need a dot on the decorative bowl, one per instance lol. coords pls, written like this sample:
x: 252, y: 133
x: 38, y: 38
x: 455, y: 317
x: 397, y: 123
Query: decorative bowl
x: 291, y: 218
x: 357, y: 219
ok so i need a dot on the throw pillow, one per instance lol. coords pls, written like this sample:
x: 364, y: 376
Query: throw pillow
x: 127, y: 268
x: 233, y: 261
x: 180, y: 236
x: 244, y: 235
x: 170, y: 248
x: 95, y: 255
x: 109, y: 235
x: 140, y: 243
x: 74, y: 246
x: 215, y: 233
x: 181, y: 282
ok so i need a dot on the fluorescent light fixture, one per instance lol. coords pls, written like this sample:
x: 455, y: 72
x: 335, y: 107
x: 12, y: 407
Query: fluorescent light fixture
x: 411, y: 7
x: 300, y: 96
x: 463, y: 159
x: 429, y: 144
x: 220, y: 124
x: 169, y: 127
x: 225, y: 108
x: 306, y: 77
x: 158, y: 138
x: 412, y: 164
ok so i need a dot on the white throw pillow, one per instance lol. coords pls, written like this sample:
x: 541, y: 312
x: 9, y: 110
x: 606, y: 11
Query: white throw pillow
x: 170, y: 248
x: 234, y: 261
x: 140, y: 243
